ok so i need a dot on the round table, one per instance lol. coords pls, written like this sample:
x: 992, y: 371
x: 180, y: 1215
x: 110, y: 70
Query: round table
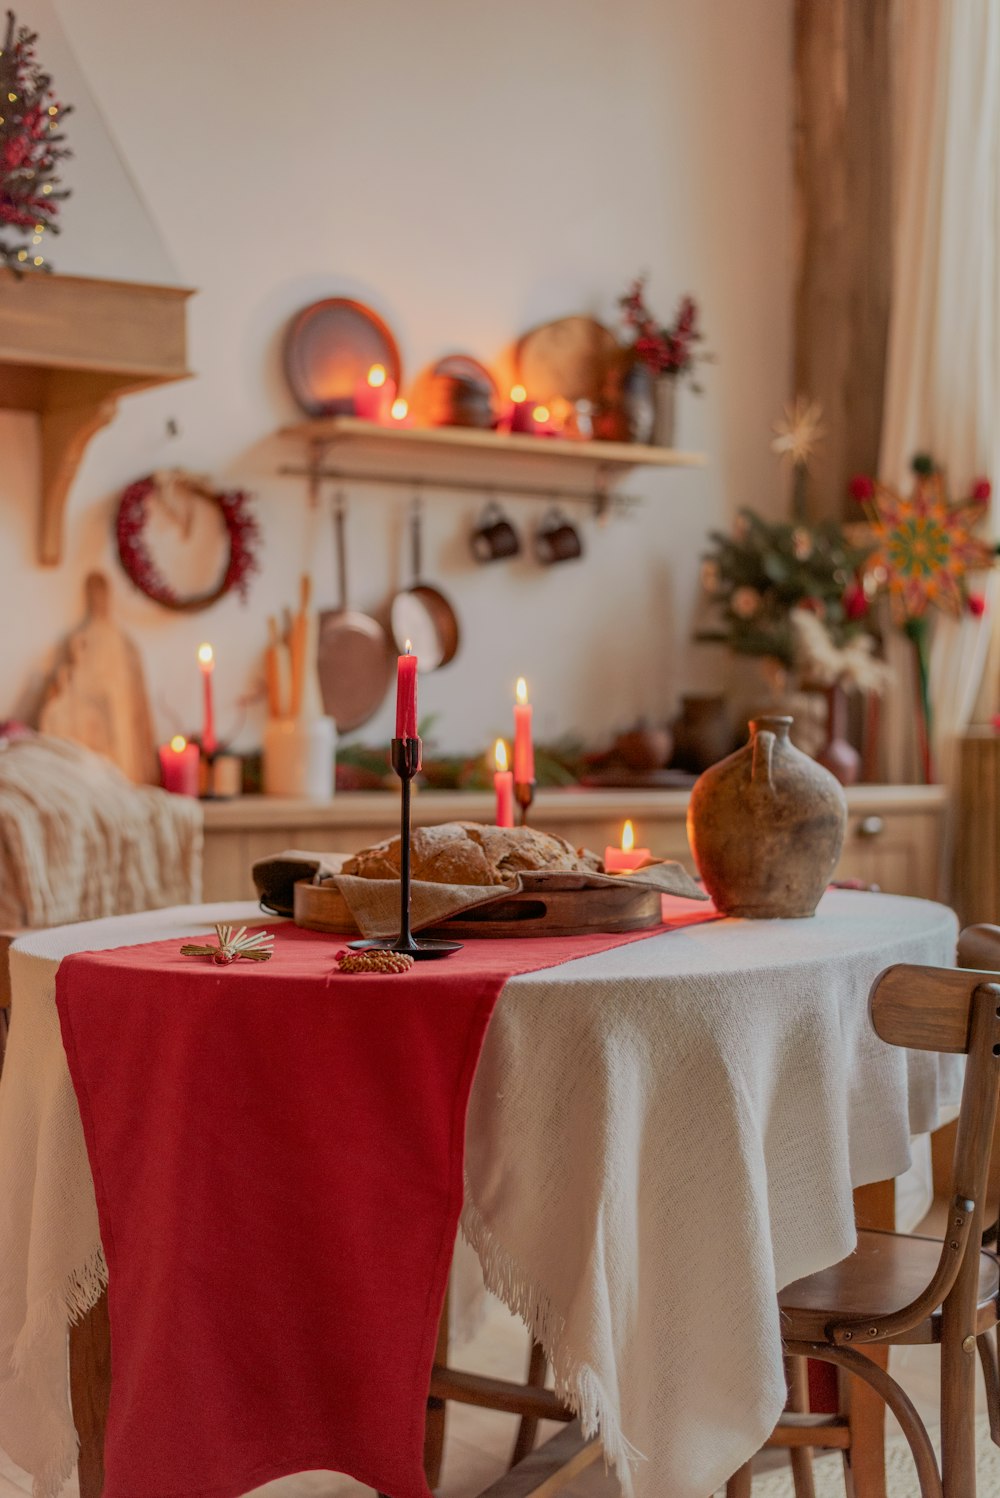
x: 659, y: 1138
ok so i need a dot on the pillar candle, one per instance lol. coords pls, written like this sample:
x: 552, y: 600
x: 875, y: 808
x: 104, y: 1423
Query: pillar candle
x: 524, y: 749
x: 206, y: 661
x: 503, y: 783
x: 519, y: 417
x: 406, y: 695
x: 179, y: 762
x: 622, y: 860
x: 374, y: 395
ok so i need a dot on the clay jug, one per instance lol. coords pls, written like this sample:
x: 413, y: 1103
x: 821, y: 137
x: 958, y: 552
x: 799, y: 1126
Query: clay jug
x: 703, y: 733
x: 766, y: 827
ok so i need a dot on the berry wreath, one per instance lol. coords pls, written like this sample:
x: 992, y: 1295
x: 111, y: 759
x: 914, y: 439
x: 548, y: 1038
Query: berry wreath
x: 242, y: 529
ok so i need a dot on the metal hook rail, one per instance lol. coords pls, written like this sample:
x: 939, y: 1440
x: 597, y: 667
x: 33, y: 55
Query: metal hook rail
x: 601, y: 500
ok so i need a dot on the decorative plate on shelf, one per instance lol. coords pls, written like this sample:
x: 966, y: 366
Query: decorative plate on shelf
x: 329, y: 346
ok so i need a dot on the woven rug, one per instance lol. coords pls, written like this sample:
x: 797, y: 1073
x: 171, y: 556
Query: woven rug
x: 901, y: 1478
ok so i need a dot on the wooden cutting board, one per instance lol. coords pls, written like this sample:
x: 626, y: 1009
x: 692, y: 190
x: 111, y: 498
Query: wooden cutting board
x: 570, y: 359
x: 96, y: 695
x: 321, y: 907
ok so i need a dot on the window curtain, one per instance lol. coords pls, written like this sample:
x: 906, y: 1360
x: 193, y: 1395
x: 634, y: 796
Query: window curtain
x: 943, y: 371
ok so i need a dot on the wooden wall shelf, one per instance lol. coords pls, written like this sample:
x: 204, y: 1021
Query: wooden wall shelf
x: 344, y: 447
x: 70, y: 347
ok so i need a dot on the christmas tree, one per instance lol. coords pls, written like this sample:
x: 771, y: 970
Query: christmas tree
x: 31, y: 144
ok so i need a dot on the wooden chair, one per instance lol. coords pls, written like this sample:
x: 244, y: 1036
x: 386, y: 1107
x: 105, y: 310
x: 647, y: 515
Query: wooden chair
x: 898, y: 1289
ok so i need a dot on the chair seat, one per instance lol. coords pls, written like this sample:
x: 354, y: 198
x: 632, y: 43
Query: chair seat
x: 885, y: 1272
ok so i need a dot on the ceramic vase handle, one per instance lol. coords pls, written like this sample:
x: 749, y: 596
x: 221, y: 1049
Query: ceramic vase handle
x: 763, y: 749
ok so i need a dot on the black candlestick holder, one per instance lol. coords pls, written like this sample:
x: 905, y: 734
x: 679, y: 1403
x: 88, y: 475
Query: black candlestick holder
x: 524, y: 794
x: 406, y: 763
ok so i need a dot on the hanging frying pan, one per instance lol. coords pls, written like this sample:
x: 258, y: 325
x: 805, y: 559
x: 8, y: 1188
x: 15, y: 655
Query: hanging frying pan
x: 353, y: 660
x: 422, y: 614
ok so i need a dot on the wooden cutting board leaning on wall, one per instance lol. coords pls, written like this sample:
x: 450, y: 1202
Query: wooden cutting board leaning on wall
x: 96, y: 695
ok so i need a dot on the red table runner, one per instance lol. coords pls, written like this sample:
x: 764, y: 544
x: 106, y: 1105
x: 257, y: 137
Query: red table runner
x: 277, y: 1156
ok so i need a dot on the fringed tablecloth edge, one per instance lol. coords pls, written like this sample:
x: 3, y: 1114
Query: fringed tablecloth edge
x: 576, y: 1383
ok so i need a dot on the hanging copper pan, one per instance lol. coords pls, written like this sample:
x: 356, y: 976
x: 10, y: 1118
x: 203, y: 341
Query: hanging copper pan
x: 353, y: 659
x: 421, y: 614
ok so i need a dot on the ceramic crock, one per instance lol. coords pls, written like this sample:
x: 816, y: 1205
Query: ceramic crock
x: 766, y: 826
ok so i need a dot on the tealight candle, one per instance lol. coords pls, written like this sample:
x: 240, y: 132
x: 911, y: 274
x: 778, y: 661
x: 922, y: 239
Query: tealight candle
x: 399, y: 413
x: 622, y: 860
x: 206, y: 662
x: 503, y: 784
x: 179, y: 763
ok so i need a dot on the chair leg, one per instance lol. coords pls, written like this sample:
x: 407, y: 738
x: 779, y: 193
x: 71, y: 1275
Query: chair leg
x: 797, y: 1375
x: 899, y: 1403
x: 437, y: 1410
x: 987, y: 1345
x: 740, y: 1485
x: 538, y: 1367
x: 958, y: 1402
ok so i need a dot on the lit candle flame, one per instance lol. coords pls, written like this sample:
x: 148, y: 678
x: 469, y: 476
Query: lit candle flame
x: 206, y: 655
x: 400, y: 409
x: 628, y: 837
x: 178, y: 743
x: 376, y: 376
x: 521, y: 690
x: 518, y: 394
x: 541, y: 413
x: 500, y: 754
x: 409, y: 648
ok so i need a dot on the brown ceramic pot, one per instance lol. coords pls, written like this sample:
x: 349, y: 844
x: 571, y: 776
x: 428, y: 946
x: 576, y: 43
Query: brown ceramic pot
x: 766, y: 827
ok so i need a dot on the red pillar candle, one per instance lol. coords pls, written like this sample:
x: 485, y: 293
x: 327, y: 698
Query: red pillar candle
x: 206, y: 662
x: 503, y: 782
x: 374, y: 395
x: 628, y: 857
x: 519, y: 416
x: 406, y: 695
x: 179, y: 762
x: 524, y: 749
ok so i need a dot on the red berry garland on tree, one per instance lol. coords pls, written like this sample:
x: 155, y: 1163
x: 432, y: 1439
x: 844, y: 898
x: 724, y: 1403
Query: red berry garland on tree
x: 30, y: 146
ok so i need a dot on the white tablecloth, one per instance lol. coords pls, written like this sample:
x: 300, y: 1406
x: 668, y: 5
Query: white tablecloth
x: 659, y: 1138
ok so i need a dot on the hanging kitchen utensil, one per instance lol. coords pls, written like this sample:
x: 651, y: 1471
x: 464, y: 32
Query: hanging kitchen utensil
x: 353, y: 661
x: 422, y: 614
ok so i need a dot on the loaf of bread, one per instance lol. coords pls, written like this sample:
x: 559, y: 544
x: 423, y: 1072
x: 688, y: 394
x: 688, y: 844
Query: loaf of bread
x: 470, y: 853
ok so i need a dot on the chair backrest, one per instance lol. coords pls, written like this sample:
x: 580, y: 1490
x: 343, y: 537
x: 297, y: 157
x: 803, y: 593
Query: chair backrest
x: 955, y: 1010
x: 979, y: 947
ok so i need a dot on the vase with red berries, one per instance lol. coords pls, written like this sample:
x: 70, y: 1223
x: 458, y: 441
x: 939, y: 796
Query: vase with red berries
x: 667, y: 354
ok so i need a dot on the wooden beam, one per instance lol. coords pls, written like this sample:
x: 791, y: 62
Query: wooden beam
x: 843, y: 188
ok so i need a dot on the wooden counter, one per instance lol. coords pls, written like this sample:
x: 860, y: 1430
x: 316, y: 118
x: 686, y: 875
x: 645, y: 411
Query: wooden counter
x: 894, y: 836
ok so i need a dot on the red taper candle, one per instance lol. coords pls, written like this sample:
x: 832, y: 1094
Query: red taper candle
x: 503, y: 784
x: 524, y: 749
x: 406, y: 695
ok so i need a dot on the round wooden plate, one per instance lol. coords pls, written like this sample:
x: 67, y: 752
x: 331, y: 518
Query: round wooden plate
x: 321, y: 907
x: 331, y: 345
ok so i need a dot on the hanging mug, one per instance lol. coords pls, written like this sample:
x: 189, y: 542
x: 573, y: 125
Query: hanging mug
x: 556, y: 539
x: 494, y: 537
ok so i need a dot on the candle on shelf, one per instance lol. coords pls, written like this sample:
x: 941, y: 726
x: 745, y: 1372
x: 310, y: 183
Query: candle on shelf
x: 206, y: 662
x: 399, y: 413
x: 622, y: 860
x: 179, y: 763
x: 542, y: 424
x: 374, y: 395
x: 519, y: 417
x: 406, y: 695
x: 503, y: 782
x: 524, y: 749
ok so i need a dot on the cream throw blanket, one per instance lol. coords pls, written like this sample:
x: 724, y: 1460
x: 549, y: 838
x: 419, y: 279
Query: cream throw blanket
x: 79, y: 841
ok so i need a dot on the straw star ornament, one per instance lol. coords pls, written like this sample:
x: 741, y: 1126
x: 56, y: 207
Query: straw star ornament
x: 254, y: 946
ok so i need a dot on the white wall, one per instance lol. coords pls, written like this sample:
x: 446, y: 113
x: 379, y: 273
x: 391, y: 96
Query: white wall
x: 470, y: 169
